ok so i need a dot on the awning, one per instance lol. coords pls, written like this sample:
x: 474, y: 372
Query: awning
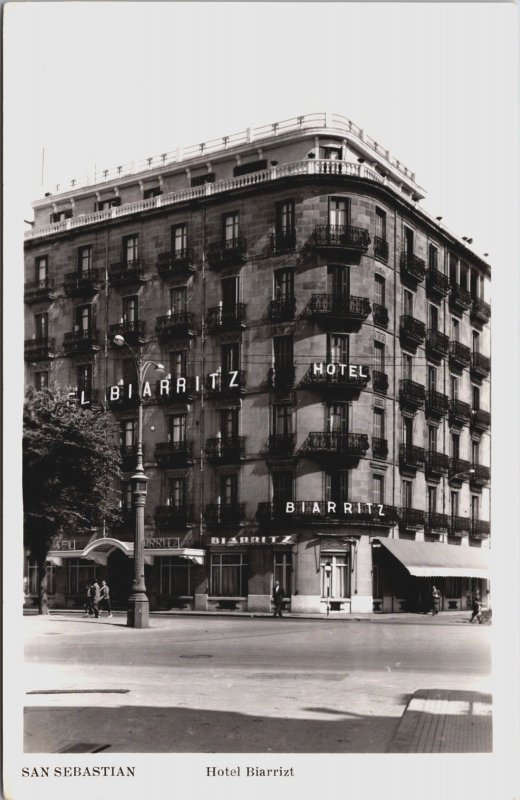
x: 99, y: 549
x: 433, y: 560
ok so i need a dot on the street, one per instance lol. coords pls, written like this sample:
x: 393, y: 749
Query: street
x: 239, y: 684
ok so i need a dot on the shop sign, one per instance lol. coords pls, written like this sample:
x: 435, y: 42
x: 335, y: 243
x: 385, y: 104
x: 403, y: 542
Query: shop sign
x: 261, y: 540
x: 161, y: 543
x: 65, y: 544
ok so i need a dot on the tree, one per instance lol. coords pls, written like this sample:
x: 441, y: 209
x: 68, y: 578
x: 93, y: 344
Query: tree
x: 70, y: 461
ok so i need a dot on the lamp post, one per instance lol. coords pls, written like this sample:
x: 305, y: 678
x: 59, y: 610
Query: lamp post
x: 138, y: 605
x: 328, y: 570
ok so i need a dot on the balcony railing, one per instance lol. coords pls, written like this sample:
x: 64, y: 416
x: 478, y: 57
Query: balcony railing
x: 458, y: 526
x: 480, y: 529
x: 282, y: 310
x: 436, y: 523
x: 381, y: 248
x: 173, y: 454
x: 351, y: 446
x: 480, y: 311
x: 226, y: 449
x: 480, y: 477
x: 379, y: 448
x: 413, y: 268
x: 39, y: 349
x: 352, y: 241
x: 437, y: 344
x: 480, y: 420
x: 228, y: 253
x: 339, y: 380
x: 338, y: 310
x: 320, y: 512
x: 36, y: 291
x: 80, y: 284
x: 177, y: 264
x: 460, y: 356
x: 436, y: 463
x: 220, y: 514
x: 411, y: 394
x: 460, y: 298
x: 283, y: 241
x: 460, y: 412
x: 173, y: 516
x: 411, y: 329
x: 282, y: 444
x: 480, y: 366
x: 410, y: 518
x: 132, y: 331
x: 226, y: 384
x: 226, y: 319
x: 171, y: 326
x: 282, y: 376
x: 124, y: 273
x: 459, y: 470
x: 77, y: 342
x: 380, y: 315
x: 380, y: 382
x: 437, y: 404
x: 437, y: 284
x: 411, y: 457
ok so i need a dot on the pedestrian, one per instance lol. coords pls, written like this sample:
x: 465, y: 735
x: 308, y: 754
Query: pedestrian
x: 105, y: 598
x: 476, y: 608
x: 88, y: 602
x: 278, y: 595
x: 436, y: 600
x: 95, y: 596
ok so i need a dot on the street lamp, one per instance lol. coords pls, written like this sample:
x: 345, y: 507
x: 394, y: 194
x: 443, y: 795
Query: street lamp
x: 328, y: 570
x: 138, y: 605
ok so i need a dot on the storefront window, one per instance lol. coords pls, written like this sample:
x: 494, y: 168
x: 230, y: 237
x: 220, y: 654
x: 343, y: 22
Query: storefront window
x: 229, y: 575
x: 33, y: 587
x: 81, y: 572
x: 282, y: 571
x: 339, y: 581
x: 452, y: 587
x: 175, y: 577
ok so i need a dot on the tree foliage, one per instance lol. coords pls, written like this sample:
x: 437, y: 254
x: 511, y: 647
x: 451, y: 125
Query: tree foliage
x: 70, y: 463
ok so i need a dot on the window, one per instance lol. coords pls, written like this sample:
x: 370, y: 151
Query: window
x: 84, y: 379
x: 282, y: 420
x: 41, y: 268
x: 284, y: 284
x: 176, y: 493
x: 475, y: 398
x: 378, y: 489
x: 228, y: 577
x: 338, y: 282
x: 41, y: 326
x: 475, y: 452
x: 155, y: 191
x: 332, y: 153
x: 81, y: 572
x: 474, y: 285
x: 432, y: 438
x: 252, y: 166
x: 131, y: 312
x: 230, y: 289
x: 112, y: 202
x: 200, y: 180
x: 84, y: 260
x: 178, y: 299
x: 282, y: 487
x: 83, y: 319
x: 229, y: 423
x: 379, y: 290
x: 455, y: 330
x: 337, y: 418
x: 379, y: 423
x: 128, y: 433
x: 453, y: 269
x: 128, y: 371
x: 407, y: 494
x: 41, y: 380
x: 475, y: 341
x: 338, y: 348
x: 229, y: 490
x: 179, y: 239
x: 178, y: 364
x: 230, y: 357
x: 454, y: 504
x: 175, y: 576
x: 230, y: 225
x: 338, y: 584
x: 455, y: 446
x: 454, y: 387
x: 282, y: 571
x: 407, y: 303
x: 337, y: 486
x: 381, y: 225
x: 379, y: 357
x: 339, y: 212
x: 432, y: 499
x: 407, y: 366
x: 130, y: 250
x: 475, y: 507
x: 407, y: 431
x: 433, y: 317
x: 408, y: 241
x: 283, y: 352
x: 432, y: 378
x: 285, y: 217
x: 59, y: 216
x: 452, y: 587
x: 433, y: 257
x: 177, y: 429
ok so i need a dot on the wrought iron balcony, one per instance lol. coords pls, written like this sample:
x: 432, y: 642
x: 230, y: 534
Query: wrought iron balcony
x: 458, y: 526
x: 380, y: 315
x: 226, y: 384
x: 436, y: 523
x: 282, y: 310
x: 322, y: 512
x: 80, y: 341
x: 411, y: 457
x: 480, y: 366
x: 125, y: 273
x: 341, y: 240
x: 173, y: 454
x: 379, y: 448
x: 129, y: 457
x: 176, y: 390
x: 132, y: 331
x: 282, y: 444
x: 82, y: 284
x: 283, y: 241
x: 223, y: 514
x: 122, y: 398
x: 460, y: 413
x: 412, y: 330
x: 39, y: 349
x: 480, y: 420
x: 226, y: 449
x: 171, y: 326
x: 337, y: 446
x: 460, y: 298
x: 411, y: 518
x: 480, y: 312
x: 222, y: 319
x: 437, y: 404
x: 177, y: 264
x: 459, y: 470
x: 338, y: 381
x: 380, y: 382
x: 437, y: 284
x: 174, y: 516
x: 460, y: 356
x: 228, y: 253
x: 437, y: 345
x: 436, y: 463
x: 37, y: 291
x: 413, y: 268
x: 282, y: 376
x: 411, y: 394
x: 338, y: 311
x: 480, y: 529
x: 480, y: 477
x: 381, y: 248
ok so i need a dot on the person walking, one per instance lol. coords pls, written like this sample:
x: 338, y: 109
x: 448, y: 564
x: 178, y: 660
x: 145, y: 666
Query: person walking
x: 278, y: 595
x: 436, y: 600
x: 476, y: 608
x: 95, y: 596
x: 104, y: 601
x: 88, y: 602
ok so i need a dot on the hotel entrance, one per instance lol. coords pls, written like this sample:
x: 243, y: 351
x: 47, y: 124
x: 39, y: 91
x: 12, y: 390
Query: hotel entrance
x: 119, y: 578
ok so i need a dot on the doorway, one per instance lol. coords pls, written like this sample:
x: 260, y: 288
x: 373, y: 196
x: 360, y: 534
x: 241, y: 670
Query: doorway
x: 119, y: 578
